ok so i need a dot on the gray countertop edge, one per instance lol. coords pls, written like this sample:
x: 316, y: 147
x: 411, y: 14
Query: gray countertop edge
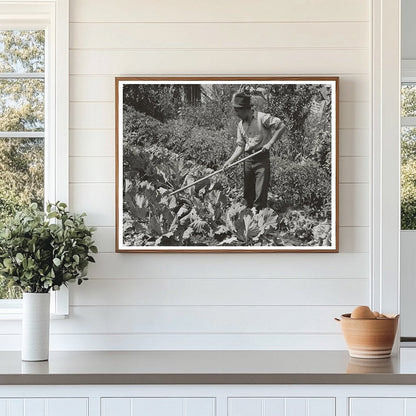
x: 120, y: 379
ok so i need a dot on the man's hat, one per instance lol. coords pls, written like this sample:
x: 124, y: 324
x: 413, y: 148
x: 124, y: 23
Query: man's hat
x: 241, y: 100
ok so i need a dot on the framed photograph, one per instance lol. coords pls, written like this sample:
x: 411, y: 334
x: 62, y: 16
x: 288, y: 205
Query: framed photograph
x: 230, y: 164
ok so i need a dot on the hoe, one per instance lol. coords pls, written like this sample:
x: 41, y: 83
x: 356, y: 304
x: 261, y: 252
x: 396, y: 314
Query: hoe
x: 214, y: 173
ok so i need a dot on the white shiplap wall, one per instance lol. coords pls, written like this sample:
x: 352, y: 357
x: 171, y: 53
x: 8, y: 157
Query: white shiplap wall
x: 215, y: 301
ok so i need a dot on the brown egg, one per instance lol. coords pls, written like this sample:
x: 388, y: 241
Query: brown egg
x: 362, y: 312
x: 376, y: 314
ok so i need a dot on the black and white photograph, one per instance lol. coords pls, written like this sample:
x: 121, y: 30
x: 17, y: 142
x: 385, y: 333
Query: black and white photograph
x: 227, y: 164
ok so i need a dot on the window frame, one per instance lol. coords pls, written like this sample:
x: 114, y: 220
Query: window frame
x: 408, y: 76
x: 53, y: 17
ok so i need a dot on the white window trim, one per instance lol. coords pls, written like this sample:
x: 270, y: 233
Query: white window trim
x: 385, y: 209
x: 52, y: 15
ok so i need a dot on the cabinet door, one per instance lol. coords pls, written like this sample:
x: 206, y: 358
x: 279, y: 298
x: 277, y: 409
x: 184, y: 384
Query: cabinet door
x: 44, y: 407
x: 382, y: 406
x: 160, y: 406
x: 270, y: 406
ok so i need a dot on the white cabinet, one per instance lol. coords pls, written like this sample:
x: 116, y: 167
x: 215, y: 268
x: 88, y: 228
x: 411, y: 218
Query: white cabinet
x: 382, y: 406
x: 208, y: 400
x: 44, y: 407
x: 160, y: 406
x: 271, y: 406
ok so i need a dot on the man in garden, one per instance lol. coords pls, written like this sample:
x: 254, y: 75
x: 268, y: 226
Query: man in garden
x: 256, y: 131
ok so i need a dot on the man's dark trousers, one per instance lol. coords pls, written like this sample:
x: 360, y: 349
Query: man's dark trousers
x: 256, y: 180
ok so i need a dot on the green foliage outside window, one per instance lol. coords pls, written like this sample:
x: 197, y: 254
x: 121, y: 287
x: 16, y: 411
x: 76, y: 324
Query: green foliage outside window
x: 21, y: 110
x: 408, y: 160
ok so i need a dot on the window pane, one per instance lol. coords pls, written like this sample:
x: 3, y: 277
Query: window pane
x: 408, y: 178
x: 22, y: 51
x: 408, y: 99
x: 21, y: 173
x: 22, y: 104
x: 21, y: 109
x: 21, y: 182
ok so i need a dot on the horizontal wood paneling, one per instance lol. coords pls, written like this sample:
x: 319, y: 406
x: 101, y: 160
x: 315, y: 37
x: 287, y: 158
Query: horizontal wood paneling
x: 218, y: 11
x: 220, y: 291
x: 195, y: 320
x: 92, y: 88
x: 96, y: 199
x: 354, y: 115
x: 100, y: 88
x: 256, y: 301
x: 218, y: 36
x: 146, y: 342
x: 352, y: 239
x: 201, y: 319
x: 89, y: 169
x: 354, y: 170
x: 92, y: 115
x: 93, y: 143
x: 354, y: 208
x: 219, y: 62
x: 231, y: 265
x: 354, y: 142
x: 105, y: 239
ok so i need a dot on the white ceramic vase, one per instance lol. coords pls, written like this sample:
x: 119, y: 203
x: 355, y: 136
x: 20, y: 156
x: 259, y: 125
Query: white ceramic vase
x: 35, y: 326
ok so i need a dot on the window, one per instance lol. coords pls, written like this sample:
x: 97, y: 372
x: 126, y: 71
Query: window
x: 408, y: 202
x: 22, y: 124
x: 408, y: 154
x: 33, y: 111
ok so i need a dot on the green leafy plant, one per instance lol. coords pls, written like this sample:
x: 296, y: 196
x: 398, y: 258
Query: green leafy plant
x: 43, y: 251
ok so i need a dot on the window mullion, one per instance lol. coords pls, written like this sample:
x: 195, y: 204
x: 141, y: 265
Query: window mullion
x: 22, y: 134
x: 22, y: 75
x: 408, y: 121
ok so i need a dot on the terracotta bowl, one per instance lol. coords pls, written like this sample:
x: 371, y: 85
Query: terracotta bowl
x: 369, y: 338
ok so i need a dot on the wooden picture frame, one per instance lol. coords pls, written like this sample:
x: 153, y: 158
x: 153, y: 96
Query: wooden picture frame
x: 175, y: 131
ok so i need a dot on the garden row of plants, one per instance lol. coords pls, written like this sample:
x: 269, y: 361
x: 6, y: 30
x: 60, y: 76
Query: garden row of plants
x: 173, y: 135
x: 209, y: 214
x: 299, y: 183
